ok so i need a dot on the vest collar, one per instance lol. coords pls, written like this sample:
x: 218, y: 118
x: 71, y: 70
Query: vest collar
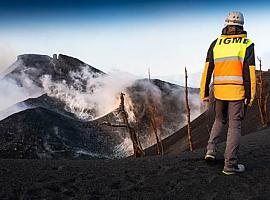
x: 234, y: 36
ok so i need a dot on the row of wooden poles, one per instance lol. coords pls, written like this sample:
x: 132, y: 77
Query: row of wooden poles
x: 262, y: 99
x: 137, y: 147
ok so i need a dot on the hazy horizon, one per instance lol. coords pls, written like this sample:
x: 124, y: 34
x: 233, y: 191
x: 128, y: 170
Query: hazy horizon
x: 129, y: 36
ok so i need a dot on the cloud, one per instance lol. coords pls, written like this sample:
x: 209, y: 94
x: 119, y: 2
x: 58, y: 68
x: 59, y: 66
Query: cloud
x: 13, y: 109
x: 12, y: 93
x: 7, y: 56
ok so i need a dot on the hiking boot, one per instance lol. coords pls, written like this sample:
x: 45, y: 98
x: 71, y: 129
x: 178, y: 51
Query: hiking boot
x: 210, y: 155
x: 234, y: 170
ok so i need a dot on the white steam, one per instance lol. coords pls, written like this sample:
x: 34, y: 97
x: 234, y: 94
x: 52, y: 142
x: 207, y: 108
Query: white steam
x: 7, y: 56
x: 91, y: 95
x: 12, y: 93
x: 195, y: 106
x: 124, y: 149
x: 13, y: 109
x: 170, y: 108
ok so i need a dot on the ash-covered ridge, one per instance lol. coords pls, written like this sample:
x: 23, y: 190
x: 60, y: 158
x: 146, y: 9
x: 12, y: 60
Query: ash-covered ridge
x: 35, y: 66
x: 64, y: 121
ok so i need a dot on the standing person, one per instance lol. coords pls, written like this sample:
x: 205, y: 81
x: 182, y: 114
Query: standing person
x: 231, y: 59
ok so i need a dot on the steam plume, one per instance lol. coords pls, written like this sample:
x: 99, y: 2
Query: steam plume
x: 13, y: 93
x: 92, y: 95
x: 7, y: 57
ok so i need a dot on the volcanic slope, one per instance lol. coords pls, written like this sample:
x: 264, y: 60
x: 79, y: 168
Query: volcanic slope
x: 201, y: 126
x: 35, y: 66
x: 39, y: 133
x: 49, y: 128
x: 158, y: 177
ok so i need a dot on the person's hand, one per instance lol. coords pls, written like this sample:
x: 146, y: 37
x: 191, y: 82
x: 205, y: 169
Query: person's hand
x: 206, y: 99
x: 247, y: 101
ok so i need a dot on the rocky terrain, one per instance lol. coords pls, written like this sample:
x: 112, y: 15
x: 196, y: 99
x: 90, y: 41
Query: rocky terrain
x: 61, y: 123
x: 49, y: 151
x: 185, y: 176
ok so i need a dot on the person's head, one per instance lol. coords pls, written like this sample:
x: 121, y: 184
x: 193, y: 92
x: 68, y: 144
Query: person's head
x: 234, y: 18
x: 234, y: 23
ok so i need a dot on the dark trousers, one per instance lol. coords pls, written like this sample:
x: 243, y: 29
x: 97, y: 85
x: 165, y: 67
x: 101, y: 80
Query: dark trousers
x: 233, y: 112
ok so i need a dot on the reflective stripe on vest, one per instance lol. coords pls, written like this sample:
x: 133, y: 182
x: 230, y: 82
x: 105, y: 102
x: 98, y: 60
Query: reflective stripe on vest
x: 229, y: 53
x: 229, y: 58
x: 233, y: 79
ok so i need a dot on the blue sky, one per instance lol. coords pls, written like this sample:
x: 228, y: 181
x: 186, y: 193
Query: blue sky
x: 128, y: 35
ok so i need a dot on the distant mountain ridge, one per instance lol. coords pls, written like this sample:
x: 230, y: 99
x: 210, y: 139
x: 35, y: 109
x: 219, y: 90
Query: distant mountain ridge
x: 179, y: 79
x: 57, y: 66
x: 48, y: 130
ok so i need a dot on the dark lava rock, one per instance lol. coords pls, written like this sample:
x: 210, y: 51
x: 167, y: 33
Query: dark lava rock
x: 186, y: 176
x: 48, y: 116
x: 40, y: 133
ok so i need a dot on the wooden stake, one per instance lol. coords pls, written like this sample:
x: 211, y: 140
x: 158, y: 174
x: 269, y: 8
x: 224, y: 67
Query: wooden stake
x: 157, y: 136
x: 266, y: 109
x: 137, y: 147
x: 188, y: 114
x: 262, y: 100
x: 152, y: 112
x: 138, y: 152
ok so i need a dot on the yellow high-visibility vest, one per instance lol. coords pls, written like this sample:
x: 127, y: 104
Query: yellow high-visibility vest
x: 229, y: 53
